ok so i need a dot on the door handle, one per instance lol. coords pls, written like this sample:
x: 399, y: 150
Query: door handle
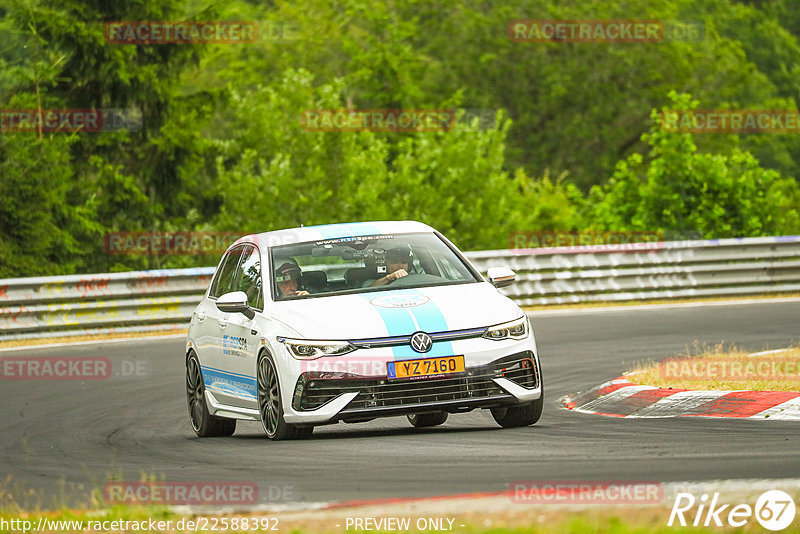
x: 223, y: 322
x: 201, y: 315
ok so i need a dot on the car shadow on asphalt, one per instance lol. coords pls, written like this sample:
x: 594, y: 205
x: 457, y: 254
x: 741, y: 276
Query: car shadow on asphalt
x: 345, y: 433
x: 353, y: 433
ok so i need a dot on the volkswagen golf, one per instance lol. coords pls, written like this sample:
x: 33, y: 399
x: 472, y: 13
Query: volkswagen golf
x: 349, y: 322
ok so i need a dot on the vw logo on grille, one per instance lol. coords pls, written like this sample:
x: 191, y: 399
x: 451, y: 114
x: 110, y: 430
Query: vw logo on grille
x: 421, y: 342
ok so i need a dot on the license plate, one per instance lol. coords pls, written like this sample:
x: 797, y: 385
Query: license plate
x: 426, y: 368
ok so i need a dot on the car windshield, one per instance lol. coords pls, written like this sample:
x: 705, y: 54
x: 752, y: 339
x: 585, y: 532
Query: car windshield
x: 368, y: 263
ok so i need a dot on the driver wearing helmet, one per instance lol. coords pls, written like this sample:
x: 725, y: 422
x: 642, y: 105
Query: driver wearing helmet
x: 287, y: 277
x: 398, y: 261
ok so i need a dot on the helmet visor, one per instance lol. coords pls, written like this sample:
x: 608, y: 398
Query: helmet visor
x: 287, y: 272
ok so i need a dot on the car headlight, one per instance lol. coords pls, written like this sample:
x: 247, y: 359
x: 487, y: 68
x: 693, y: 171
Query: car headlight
x: 308, y: 349
x: 517, y: 329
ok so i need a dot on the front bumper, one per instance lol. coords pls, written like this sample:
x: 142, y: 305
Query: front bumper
x: 318, y: 398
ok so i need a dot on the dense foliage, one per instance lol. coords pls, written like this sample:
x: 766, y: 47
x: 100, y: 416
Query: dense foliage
x: 572, y: 141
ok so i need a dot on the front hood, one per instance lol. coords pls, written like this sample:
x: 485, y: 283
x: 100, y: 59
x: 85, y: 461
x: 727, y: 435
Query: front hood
x: 397, y: 312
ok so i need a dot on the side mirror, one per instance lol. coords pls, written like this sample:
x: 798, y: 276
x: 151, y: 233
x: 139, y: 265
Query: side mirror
x: 235, y: 302
x: 501, y: 276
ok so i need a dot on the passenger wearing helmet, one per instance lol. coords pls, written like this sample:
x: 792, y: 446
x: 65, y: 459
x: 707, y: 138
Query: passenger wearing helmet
x: 398, y: 262
x: 287, y: 277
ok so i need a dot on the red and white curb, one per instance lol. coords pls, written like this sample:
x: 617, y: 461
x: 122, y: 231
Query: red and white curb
x: 621, y: 398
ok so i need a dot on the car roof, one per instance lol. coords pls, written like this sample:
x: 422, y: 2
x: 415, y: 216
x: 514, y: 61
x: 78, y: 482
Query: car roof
x: 322, y: 232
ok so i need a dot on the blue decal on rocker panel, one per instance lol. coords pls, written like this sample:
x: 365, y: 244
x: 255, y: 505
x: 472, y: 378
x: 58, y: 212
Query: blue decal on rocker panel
x: 234, y: 384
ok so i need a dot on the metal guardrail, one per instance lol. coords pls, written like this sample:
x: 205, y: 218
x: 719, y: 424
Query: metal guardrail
x: 672, y: 269
x: 89, y: 304
x: 164, y: 300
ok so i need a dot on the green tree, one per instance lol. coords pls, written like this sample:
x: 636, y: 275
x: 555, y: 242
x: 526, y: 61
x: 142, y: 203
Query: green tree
x: 42, y: 230
x: 148, y: 179
x: 679, y: 190
x: 274, y: 173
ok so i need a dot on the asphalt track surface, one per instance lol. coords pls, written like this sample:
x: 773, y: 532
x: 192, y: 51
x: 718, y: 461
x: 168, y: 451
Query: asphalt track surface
x: 61, y: 439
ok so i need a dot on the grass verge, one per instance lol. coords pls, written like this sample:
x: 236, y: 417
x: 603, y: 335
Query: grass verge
x: 724, y: 368
x: 492, y: 513
x: 542, y: 519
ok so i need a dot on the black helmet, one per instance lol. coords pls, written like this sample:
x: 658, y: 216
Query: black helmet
x: 288, y: 270
x: 401, y: 254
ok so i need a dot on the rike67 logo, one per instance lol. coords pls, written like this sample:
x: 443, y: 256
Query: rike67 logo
x: 774, y: 510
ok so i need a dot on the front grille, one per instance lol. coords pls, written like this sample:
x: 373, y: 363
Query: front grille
x: 394, y: 341
x: 315, y: 389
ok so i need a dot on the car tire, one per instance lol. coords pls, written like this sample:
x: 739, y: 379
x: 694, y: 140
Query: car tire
x: 421, y: 420
x: 203, y: 423
x: 270, y: 407
x: 516, y: 416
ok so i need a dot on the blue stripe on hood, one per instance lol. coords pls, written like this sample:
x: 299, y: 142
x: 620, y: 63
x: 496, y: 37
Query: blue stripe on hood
x: 401, y: 322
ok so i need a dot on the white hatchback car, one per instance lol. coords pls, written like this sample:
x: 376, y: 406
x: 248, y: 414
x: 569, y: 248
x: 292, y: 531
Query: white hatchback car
x: 349, y: 322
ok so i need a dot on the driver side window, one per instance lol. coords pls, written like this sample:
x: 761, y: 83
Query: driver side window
x: 249, y: 278
x: 223, y: 281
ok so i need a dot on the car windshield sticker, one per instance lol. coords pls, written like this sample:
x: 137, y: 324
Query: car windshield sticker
x: 332, y: 231
x: 351, y: 239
